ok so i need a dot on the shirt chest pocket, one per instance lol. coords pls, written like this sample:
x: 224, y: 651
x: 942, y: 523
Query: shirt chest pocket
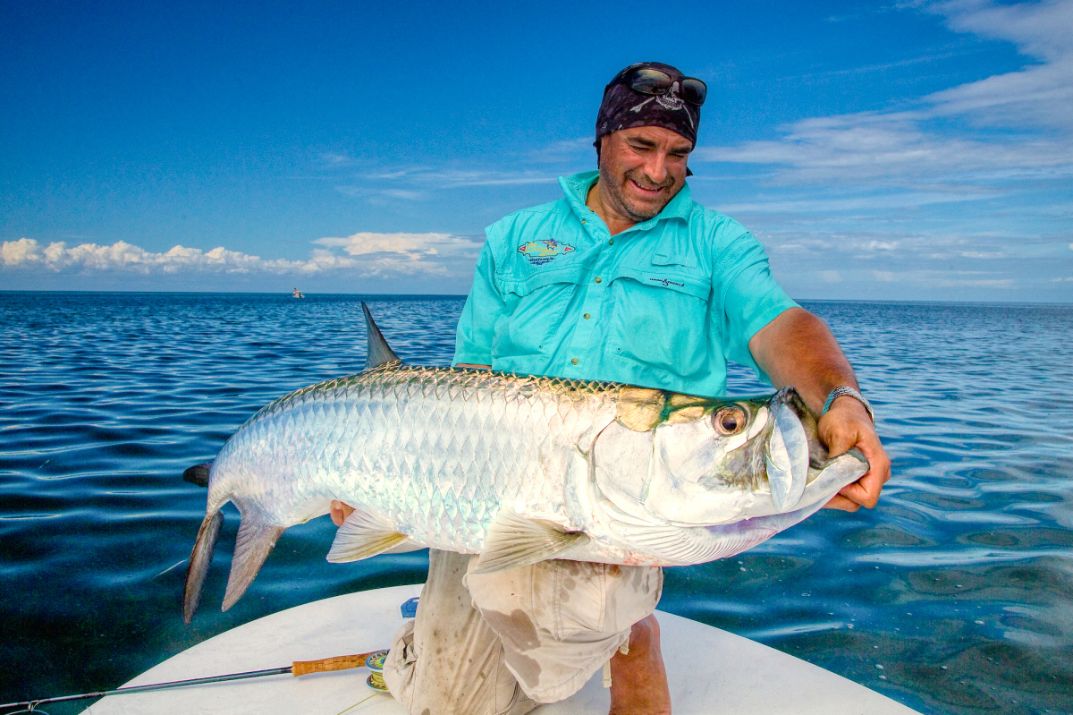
x: 677, y: 274
x: 535, y: 307
x: 660, y: 314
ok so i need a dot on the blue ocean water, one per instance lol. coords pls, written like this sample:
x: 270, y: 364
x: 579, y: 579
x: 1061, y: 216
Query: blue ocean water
x: 954, y: 595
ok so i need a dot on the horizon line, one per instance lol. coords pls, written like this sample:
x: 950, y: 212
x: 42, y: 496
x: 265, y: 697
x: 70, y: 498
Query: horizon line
x: 888, y: 301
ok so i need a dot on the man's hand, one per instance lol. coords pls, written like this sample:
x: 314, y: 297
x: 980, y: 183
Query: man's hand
x: 847, y: 425
x: 340, y: 511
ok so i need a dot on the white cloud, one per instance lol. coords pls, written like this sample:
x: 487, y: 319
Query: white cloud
x: 823, y: 204
x: 463, y: 178
x: 18, y: 252
x: 1040, y: 93
x: 566, y: 151
x: 363, y: 254
x: 1041, y: 29
x: 830, y: 276
x: 399, y: 253
x: 1027, y: 113
x: 896, y: 148
x: 419, y: 183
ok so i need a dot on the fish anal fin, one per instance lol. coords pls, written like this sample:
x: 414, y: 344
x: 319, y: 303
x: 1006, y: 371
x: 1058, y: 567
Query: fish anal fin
x: 363, y: 535
x: 378, y: 351
x: 514, y: 540
x: 252, y: 545
x: 200, y: 558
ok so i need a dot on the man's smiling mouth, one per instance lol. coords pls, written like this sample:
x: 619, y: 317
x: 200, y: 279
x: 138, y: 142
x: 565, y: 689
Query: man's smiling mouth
x: 648, y: 189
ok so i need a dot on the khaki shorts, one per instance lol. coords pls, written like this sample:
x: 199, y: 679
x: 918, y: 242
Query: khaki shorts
x: 504, y: 642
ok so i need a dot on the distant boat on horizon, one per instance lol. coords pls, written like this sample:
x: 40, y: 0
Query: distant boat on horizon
x: 297, y: 294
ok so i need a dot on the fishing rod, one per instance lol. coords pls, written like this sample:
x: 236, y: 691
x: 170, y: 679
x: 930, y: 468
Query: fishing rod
x: 374, y: 660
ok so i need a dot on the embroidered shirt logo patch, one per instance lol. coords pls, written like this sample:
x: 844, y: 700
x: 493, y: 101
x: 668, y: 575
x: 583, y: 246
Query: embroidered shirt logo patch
x: 666, y: 282
x: 540, y: 252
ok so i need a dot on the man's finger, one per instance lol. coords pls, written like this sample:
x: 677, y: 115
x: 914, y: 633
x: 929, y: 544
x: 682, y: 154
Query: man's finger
x: 838, y: 441
x: 841, y: 503
x: 339, y: 511
x: 860, y: 494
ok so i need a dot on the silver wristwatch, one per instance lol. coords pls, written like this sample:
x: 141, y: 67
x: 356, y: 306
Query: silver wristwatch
x: 850, y: 392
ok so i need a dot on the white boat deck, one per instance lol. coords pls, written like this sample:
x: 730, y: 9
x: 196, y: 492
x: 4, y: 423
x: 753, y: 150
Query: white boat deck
x: 710, y: 670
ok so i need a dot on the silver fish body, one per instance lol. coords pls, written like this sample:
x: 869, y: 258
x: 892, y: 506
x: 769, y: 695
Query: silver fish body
x: 516, y: 469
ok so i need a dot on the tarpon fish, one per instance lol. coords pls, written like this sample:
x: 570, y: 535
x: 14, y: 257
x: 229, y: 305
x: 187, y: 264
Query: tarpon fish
x: 515, y: 468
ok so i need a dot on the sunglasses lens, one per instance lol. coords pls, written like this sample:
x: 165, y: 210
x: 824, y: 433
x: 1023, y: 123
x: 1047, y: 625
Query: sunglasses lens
x: 650, y: 81
x: 656, y: 82
x: 694, y: 91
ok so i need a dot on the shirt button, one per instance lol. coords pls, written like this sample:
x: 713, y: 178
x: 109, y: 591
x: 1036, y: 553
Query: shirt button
x: 584, y: 221
x: 598, y: 279
x: 610, y: 242
x: 574, y: 361
x: 587, y: 316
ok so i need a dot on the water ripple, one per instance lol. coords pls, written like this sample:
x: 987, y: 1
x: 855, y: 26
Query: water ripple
x: 951, y: 596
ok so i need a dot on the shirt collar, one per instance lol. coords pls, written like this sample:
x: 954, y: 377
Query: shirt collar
x: 576, y: 187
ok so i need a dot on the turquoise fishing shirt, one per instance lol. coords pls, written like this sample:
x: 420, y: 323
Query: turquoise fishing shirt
x: 664, y: 304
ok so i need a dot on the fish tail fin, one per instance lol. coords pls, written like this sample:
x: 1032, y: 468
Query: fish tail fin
x: 200, y: 558
x: 252, y: 545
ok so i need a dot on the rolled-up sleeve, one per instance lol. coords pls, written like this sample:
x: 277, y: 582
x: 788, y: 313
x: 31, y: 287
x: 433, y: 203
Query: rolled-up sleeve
x: 476, y: 325
x: 748, y: 298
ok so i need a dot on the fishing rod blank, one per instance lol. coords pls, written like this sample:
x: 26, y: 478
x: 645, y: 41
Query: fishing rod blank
x: 373, y: 659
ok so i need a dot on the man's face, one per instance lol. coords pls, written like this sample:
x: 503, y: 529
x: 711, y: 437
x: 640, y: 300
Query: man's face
x: 641, y: 170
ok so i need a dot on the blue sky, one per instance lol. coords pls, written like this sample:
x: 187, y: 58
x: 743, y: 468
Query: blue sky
x: 886, y: 150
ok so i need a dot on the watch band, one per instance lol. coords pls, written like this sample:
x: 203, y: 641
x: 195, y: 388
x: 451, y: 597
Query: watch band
x: 846, y: 390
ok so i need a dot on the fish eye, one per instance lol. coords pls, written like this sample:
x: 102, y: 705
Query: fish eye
x: 729, y: 420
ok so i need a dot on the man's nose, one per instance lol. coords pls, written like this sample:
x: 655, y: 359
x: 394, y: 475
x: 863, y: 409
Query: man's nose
x: 656, y: 167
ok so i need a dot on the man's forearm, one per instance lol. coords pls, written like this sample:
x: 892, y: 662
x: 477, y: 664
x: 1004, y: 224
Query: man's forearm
x: 798, y: 349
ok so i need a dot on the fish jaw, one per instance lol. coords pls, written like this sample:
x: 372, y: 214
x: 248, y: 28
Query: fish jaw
x: 786, y: 455
x: 822, y: 486
x: 725, y: 540
x: 627, y: 537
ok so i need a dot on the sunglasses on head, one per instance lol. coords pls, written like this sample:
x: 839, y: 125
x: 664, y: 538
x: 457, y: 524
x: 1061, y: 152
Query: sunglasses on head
x: 647, y: 80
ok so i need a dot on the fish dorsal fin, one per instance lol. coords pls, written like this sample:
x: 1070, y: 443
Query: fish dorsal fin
x: 515, y: 540
x: 378, y: 351
x: 363, y: 535
x: 252, y: 545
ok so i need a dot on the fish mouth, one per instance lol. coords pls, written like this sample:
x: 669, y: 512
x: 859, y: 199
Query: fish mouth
x: 796, y: 459
x: 787, y: 452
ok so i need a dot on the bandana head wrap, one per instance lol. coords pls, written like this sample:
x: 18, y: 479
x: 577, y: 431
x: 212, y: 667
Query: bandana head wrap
x: 626, y: 108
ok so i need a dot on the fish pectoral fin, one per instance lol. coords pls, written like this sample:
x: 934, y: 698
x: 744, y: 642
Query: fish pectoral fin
x: 515, y: 540
x: 363, y: 535
x: 671, y: 545
x: 198, y: 474
x: 253, y: 543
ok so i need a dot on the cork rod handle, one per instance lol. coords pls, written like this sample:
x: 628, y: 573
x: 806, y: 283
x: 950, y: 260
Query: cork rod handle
x: 324, y: 665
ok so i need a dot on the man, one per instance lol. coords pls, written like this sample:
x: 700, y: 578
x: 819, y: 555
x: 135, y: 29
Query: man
x: 624, y: 279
